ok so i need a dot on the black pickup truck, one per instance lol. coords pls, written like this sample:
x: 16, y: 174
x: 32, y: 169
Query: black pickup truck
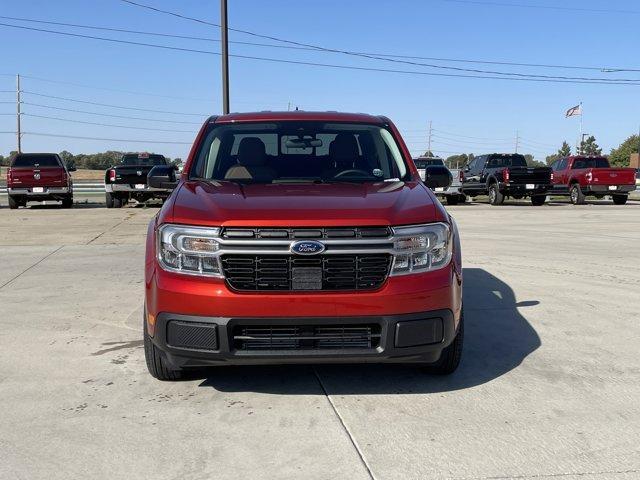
x: 128, y: 180
x: 503, y: 175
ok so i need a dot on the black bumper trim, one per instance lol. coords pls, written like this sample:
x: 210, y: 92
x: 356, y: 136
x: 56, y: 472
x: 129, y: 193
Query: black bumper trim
x: 387, y: 351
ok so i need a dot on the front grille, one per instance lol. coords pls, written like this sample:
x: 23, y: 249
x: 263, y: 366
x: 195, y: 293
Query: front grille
x: 306, y: 337
x: 294, y: 273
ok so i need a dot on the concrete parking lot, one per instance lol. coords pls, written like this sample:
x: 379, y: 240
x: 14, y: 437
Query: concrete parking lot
x: 549, y: 385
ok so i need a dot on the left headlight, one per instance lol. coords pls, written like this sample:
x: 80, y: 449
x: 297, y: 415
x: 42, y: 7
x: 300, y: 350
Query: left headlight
x: 190, y: 250
x: 421, y: 248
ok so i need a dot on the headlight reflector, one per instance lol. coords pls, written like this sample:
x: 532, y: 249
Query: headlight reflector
x: 189, y: 250
x: 421, y: 248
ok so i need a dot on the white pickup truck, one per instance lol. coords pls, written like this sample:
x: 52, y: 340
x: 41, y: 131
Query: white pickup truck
x: 453, y: 193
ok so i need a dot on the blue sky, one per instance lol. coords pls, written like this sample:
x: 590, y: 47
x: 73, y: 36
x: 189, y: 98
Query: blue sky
x: 490, y: 111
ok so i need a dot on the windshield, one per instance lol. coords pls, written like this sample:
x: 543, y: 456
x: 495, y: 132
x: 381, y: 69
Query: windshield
x: 506, y: 161
x: 590, y: 163
x: 142, y: 159
x: 427, y: 162
x: 36, y: 160
x: 294, y: 151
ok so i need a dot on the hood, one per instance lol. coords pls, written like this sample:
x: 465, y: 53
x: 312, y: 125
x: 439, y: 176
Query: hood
x: 331, y: 204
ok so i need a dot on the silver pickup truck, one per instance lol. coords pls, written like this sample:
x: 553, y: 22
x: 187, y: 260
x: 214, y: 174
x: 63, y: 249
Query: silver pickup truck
x: 452, y: 193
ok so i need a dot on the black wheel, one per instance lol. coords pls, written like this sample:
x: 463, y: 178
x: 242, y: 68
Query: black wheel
x: 117, y: 202
x: 67, y: 202
x: 537, y: 200
x: 450, y: 356
x: 462, y: 198
x: 156, y: 364
x: 619, y: 199
x: 109, y: 199
x: 495, y: 197
x: 576, y: 195
x: 452, y: 199
x: 13, y: 203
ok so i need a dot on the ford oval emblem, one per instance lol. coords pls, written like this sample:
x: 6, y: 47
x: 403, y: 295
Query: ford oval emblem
x: 307, y: 247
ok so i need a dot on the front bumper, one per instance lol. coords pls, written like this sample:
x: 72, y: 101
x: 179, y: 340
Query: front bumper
x: 409, y: 338
x: 47, y: 192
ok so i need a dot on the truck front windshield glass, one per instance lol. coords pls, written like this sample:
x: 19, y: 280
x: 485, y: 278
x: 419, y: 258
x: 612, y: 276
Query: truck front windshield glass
x: 294, y: 151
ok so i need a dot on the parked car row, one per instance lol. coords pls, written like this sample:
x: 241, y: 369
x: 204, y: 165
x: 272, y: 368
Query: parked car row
x: 504, y: 175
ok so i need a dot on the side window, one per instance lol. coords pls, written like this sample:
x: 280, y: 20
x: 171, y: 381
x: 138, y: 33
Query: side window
x: 472, y: 164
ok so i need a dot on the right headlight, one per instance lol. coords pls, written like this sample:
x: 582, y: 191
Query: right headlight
x: 421, y: 248
x: 189, y: 250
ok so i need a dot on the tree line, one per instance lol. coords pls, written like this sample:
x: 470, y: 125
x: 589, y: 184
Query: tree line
x: 618, y: 157
x: 92, y: 161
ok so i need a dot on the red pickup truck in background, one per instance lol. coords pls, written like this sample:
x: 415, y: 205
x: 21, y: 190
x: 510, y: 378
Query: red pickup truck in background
x: 38, y: 177
x: 581, y: 176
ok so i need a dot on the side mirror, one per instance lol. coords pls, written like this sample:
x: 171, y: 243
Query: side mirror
x: 437, y: 176
x: 72, y: 168
x: 466, y: 168
x: 162, y: 176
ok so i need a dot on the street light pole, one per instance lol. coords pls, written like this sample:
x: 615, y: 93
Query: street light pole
x: 225, y: 56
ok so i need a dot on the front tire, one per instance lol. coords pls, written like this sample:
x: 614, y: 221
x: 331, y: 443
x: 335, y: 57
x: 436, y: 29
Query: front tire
x: 619, y: 199
x: 576, y: 195
x: 450, y: 356
x: 156, y: 364
x: 495, y: 197
x: 538, y: 200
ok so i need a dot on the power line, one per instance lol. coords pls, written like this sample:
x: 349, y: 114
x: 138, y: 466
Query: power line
x: 109, y: 114
x: 468, y: 136
x: 66, y: 99
x: 129, y: 127
x: 293, y: 47
x: 41, y: 134
x: 336, y: 66
x: 132, y: 92
x: 373, y: 57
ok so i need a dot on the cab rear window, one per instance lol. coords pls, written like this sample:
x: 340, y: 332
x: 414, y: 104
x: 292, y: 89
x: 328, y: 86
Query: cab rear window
x: 143, y: 160
x: 36, y: 160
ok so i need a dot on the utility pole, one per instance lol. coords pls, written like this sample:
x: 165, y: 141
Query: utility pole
x: 225, y: 56
x: 517, y: 140
x: 18, y: 114
x: 430, y: 136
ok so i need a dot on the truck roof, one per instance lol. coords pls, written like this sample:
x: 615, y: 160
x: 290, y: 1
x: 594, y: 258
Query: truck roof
x: 300, y: 115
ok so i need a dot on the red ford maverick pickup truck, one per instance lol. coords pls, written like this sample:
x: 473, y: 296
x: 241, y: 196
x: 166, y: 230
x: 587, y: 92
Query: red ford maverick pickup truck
x: 301, y: 237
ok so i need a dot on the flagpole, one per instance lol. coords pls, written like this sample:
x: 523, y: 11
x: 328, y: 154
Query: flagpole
x: 580, y: 141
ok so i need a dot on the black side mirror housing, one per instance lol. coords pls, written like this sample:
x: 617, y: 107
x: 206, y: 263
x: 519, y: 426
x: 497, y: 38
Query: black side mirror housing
x: 162, y: 176
x: 72, y: 168
x: 437, y: 176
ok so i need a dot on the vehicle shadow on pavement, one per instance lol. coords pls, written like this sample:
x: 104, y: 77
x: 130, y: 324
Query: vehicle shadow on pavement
x: 497, y: 339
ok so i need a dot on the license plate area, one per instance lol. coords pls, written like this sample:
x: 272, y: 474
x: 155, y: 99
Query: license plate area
x: 140, y: 186
x: 306, y: 278
x: 38, y: 190
x: 530, y: 186
x: 613, y: 187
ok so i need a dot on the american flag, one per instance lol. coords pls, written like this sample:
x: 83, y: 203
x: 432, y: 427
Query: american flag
x: 574, y: 111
